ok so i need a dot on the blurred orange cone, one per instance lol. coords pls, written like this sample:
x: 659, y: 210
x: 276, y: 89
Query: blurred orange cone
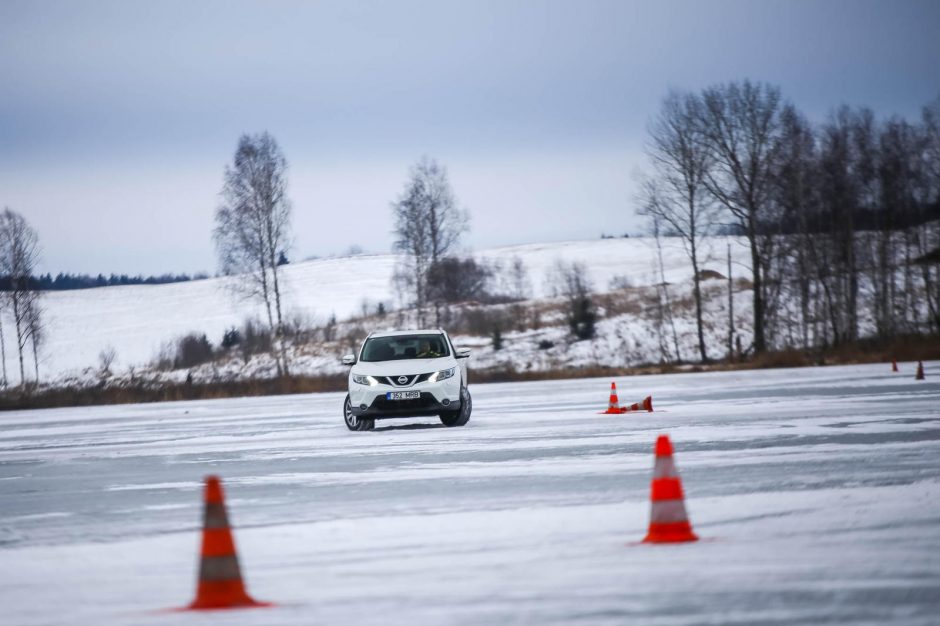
x: 613, y: 404
x: 894, y: 365
x: 645, y: 405
x: 669, y: 522
x: 920, y: 371
x: 220, y: 580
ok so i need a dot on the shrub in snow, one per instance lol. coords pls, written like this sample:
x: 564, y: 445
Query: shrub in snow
x: 192, y: 350
x: 497, y: 339
x: 231, y: 338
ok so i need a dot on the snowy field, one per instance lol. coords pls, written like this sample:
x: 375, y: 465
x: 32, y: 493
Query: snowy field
x: 816, y: 492
x: 137, y: 320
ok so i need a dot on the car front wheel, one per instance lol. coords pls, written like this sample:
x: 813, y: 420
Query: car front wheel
x: 353, y: 422
x: 461, y: 416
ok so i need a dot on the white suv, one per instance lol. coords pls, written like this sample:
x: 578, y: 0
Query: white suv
x: 407, y: 374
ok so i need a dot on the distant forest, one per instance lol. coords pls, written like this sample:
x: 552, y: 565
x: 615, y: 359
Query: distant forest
x: 65, y: 282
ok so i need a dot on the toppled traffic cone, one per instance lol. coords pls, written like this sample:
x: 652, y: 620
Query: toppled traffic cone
x: 669, y: 522
x: 613, y: 405
x: 220, y: 580
x: 894, y: 365
x: 645, y: 405
x: 920, y: 371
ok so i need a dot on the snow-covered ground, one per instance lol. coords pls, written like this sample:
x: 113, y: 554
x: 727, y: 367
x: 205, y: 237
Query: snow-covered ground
x: 137, y: 320
x: 816, y: 492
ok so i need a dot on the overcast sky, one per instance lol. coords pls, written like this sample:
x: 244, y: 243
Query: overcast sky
x: 117, y: 118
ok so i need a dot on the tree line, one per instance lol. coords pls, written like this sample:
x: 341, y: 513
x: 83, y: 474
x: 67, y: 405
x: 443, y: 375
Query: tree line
x: 840, y: 217
x: 64, y: 281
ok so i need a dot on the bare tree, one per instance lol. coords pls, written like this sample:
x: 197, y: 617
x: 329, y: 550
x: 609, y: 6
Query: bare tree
x: 428, y: 227
x: 19, y: 255
x: 677, y: 195
x: 930, y: 123
x: 3, y: 341
x: 730, y: 309
x: 741, y: 123
x: 795, y: 183
x: 839, y: 190
x: 663, y: 298
x: 35, y: 327
x: 512, y: 283
x: 901, y: 179
x: 410, y: 276
x: 252, y: 229
x: 106, y: 359
x: 519, y: 285
x: 572, y: 282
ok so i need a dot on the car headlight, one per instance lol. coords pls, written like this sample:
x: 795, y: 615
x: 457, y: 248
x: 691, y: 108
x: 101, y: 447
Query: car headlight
x: 442, y: 375
x: 365, y: 380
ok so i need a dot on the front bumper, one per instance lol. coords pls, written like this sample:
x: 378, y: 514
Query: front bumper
x: 427, y: 404
x: 436, y: 398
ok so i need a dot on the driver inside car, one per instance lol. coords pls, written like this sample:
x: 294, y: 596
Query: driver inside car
x: 425, y: 351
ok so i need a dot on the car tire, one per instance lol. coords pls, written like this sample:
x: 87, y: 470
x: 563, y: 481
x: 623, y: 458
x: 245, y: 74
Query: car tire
x: 461, y: 416
x: 353, y: 422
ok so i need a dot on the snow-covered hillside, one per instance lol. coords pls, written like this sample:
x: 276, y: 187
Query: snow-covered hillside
x: 137, y: 320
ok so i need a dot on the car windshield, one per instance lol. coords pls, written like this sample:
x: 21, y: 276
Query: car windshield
x: 399, y: 347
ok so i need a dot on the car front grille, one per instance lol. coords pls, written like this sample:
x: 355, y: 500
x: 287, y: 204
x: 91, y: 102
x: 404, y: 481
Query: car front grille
x: 411, y: 379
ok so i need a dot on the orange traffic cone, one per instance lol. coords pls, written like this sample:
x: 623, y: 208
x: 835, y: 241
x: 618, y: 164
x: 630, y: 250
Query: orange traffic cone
x: 920, y: 371
x: 669, y: 522
x: 645, y: 405
x: 220, y: 580
x: 894, y: 365
x: 613, y: 405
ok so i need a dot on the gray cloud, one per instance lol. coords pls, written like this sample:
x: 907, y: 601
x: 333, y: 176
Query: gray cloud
x: 129, y: 110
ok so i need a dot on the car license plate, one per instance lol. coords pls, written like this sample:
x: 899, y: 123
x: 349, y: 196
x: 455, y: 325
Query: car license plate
x: 403, y: 395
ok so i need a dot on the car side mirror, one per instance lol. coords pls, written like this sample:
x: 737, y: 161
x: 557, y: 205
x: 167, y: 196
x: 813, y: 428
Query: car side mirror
x: 349, y: 359
x: 463, y: 353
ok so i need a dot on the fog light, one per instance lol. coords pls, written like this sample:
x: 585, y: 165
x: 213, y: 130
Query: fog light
x: 445, y: 402
x: 362, y: 407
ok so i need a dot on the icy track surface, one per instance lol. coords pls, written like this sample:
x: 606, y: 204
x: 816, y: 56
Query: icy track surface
x: 816, y: 492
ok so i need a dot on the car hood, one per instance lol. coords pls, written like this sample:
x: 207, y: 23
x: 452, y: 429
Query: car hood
x: 406, y: 367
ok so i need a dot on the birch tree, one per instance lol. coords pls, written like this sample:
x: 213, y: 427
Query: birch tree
x: 252, y: 228
x: 741, y: 124
x: 678, y: 197
x: 19, y: 256
x: 428, y: 227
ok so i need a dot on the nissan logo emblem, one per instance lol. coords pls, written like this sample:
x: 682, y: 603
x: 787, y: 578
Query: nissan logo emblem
x: 402, y: 380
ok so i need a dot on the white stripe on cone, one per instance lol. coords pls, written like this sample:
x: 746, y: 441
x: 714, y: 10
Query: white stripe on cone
x: 665, y: 467
x: 668, y: 511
